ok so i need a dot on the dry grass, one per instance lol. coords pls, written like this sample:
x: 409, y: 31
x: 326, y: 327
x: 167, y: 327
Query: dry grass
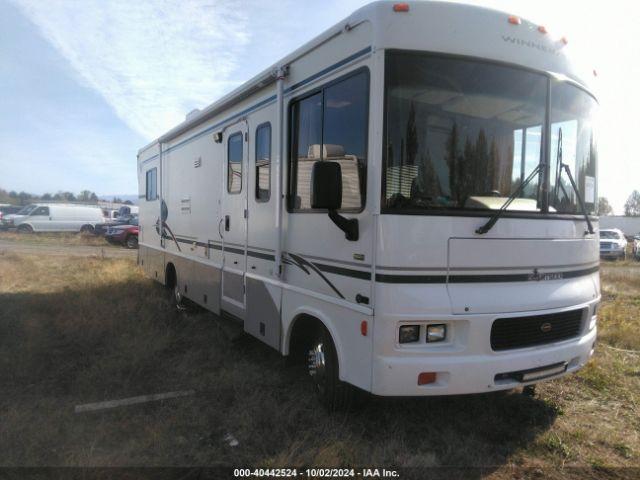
x: 78, y: 330
x: 62, y: 239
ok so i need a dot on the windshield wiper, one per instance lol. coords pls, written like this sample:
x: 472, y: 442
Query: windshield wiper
x: 565, y: 167
x: 496, y: 216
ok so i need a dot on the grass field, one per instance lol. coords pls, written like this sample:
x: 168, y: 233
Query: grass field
x: 80, y: 330
x: 56, y: 239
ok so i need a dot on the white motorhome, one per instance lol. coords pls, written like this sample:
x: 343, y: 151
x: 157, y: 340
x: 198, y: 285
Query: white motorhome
x: 404, y: 203
x: 58, y: 217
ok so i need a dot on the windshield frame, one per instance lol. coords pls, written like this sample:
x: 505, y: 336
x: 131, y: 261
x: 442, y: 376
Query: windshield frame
x: 544, y: 212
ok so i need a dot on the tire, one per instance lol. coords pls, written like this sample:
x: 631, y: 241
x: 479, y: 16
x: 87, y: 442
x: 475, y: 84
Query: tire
x: 25, y: 228
x: 86, y: 229
x: 322, y: 363
x: 131, y: 241
x: 175, y: 295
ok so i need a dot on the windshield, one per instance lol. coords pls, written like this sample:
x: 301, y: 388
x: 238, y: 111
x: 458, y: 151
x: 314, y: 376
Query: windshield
x: 609, y: 235
x: 573, y: 142
x: 463, y: 135
x: 27, y: 210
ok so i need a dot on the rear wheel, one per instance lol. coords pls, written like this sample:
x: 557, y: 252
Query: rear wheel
x: 322, y: 363
x: 86, y: 229
x: 132, y: 241
x: 25, y: 229
x: 175, y: 295
x: 178, y: 299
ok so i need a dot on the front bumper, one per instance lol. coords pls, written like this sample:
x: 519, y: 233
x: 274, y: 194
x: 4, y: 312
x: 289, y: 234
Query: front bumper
x: 117, y: 238
x: 611, y: 254
x: 464, y: 374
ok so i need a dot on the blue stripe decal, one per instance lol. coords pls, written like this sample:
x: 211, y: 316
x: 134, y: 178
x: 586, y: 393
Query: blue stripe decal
x: 265, y: 102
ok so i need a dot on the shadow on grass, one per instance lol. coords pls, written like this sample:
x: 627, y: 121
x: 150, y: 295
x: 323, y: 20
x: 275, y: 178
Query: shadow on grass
x: 122, y: 340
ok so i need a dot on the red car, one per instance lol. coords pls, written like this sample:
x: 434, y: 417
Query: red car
x: 126, y: 235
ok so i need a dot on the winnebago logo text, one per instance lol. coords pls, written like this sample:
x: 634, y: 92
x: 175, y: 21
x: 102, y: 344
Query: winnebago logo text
x: 530, y: 44
x: 536, y: 276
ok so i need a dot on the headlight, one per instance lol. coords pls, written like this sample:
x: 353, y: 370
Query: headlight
x: 436, y: 333
x: 409, y: 333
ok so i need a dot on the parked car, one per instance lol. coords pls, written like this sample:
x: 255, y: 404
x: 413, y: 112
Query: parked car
x: 123, y: 220
x: 613, y: 244
x: 636, y: 247
x: 126, y: 235
x: 10, y: 220
x: 110, y: 214
x: 58, y: 217
x: 6, y: 210
x: 128, y: 210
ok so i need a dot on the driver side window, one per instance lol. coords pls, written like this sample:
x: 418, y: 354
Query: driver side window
x: 41, y: 211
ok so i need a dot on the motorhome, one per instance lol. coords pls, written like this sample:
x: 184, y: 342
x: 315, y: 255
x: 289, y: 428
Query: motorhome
x: 405, y: 203
x: 57, y: 217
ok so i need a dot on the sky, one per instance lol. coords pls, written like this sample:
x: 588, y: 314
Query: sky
x: 86, y: 83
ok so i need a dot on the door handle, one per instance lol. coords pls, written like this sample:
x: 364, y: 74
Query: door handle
x: 227, y: 223
x: 219, y: 225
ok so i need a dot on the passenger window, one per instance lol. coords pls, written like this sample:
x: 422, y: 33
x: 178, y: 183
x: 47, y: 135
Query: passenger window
x: 331, y: 125
x: 152, y: 184
x: 234, y: 163
x: 43, y: 211
x: 263, y: 162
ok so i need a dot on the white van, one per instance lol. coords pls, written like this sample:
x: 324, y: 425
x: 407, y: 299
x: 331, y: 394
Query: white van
x: 58, y: 217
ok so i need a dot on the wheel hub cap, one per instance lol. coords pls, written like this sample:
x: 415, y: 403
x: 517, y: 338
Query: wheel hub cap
x: 316, y: 362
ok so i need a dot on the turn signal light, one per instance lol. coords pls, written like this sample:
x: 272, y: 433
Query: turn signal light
x: 400, y: 7
x: 426, y: 377
x: 364, y: 327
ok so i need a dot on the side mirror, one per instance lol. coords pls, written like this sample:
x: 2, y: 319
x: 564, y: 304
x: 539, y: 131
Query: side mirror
x: 326, y: 194
x: 326, y: 185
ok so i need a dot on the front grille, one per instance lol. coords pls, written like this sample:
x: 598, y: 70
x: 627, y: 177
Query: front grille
x: 606, y: 245
x: 518, y: 332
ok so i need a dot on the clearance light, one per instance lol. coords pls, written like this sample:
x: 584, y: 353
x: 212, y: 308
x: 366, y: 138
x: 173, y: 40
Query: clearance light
x: 426, y: 377
x: 542, y: 29
x: 564, y: 40
x: 364, y: 327
x: 409, y: 333
x: 513, y: 20
x: 400, y: 7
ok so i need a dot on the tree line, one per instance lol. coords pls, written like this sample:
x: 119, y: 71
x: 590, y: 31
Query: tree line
x: 24, y: 198
x: 631, y: 206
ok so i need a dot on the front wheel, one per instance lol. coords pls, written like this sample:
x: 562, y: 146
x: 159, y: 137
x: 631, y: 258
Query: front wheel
x: 25, y: 229
x: 132, y: 241
x: 86, y: 229
x: 322, y: 363
x: 178, y: 299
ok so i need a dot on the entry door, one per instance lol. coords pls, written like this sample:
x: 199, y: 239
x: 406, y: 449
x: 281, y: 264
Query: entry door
x: 233, y: 223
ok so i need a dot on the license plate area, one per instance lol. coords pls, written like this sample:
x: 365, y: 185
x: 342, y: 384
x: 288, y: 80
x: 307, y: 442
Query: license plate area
x: 532, y: 374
